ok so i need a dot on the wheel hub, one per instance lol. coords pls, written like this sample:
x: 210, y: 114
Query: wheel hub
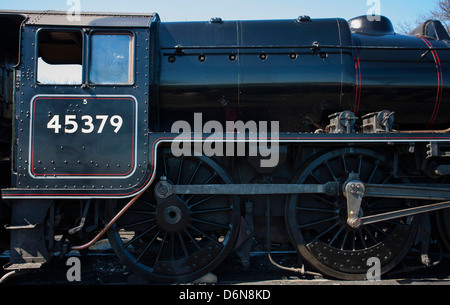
x: 172, y: 215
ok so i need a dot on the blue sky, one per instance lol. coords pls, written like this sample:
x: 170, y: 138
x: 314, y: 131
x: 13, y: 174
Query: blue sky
x: 399, y: 11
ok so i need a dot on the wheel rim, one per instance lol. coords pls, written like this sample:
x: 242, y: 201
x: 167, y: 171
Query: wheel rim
x: 183, y: 237
x: 317, y: 223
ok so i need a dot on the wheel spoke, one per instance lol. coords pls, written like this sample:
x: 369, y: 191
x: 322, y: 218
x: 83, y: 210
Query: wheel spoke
x: 353, y: 240
x: 139, y: 236
x: 204, y: 183
x: 138, y: 259
x: 160, y: 250
x: 165, y: 165
x: 141, y: 212
x: 179, y: 170
x: 362, y: 238
x: 203, y: 233
x: 193, y: 176
x: 192, y: 239
x: 323, y: 233
x: 194, y: 173
x: 210, y: 223
x: 183, y: 246
x: 344, y: 240
x: 336, y: 235
x: 374, y: 240
x: 373, y: 172
x: 172, y: 245
x: 201, y: 201
x: 213, y: 210
x: 331, y: 203
x: 210, y: 178
x: 316, y: 178
x: 360, y: 164
x: 153, y: 206
x: 330, y: 170
x: 387, y: 179
x: 345, y: 164
x: 318, y: 210
x: 378, y: 229
x: 317, y: 222
x: 137, y: 223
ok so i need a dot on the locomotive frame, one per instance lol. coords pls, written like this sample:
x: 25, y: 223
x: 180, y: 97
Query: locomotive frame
x: 70, y: 178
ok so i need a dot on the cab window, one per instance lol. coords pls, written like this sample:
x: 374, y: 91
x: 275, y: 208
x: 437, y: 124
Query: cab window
x: 111, y: 58
x: 60, y: 57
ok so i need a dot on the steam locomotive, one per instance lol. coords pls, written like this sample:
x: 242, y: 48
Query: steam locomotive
x: 89, y: 114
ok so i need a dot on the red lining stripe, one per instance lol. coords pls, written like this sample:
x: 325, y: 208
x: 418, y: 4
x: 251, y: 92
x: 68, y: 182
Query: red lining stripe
x: 440, y: 85
x: 358, y: 81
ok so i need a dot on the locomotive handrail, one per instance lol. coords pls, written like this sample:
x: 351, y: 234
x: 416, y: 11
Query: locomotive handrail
x: 313, y: 46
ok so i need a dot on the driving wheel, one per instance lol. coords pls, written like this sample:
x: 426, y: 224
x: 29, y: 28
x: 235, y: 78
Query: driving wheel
x: 182, y: 237
x: 317, y: 223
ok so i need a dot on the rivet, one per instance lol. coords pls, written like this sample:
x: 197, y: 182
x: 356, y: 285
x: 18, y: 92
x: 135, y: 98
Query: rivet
x: 202, y: 58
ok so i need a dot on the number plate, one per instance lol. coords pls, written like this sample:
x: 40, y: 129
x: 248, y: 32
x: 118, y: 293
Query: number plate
x: 73, y: 136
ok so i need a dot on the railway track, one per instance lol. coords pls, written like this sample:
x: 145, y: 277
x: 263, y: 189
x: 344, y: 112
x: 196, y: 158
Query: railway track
x: 100, y: 266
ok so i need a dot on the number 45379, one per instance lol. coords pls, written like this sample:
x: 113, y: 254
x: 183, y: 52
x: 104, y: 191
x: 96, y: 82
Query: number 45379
x: 88, y: 125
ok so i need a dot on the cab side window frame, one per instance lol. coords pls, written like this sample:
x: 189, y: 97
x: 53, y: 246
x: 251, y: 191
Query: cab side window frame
x: 116, y: 51
x: 81, y: 73
x: 57, y: 61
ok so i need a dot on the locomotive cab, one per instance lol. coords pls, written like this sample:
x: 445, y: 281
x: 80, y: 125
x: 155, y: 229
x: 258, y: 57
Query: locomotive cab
x: 79, y: 84
x: 80, y: 90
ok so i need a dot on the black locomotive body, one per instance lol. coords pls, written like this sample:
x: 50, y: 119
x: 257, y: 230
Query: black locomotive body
x: 89, y: 106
